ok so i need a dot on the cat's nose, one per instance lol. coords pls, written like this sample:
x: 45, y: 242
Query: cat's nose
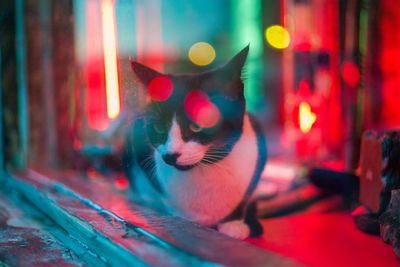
x: 170, y: 158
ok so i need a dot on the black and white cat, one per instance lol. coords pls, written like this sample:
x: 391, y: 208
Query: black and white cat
x: 205, y: 173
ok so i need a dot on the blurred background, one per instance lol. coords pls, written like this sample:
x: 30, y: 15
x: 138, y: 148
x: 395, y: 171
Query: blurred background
x: 319, y: 72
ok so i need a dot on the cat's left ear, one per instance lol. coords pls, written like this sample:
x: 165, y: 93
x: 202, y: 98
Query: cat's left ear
x: 144, y: 73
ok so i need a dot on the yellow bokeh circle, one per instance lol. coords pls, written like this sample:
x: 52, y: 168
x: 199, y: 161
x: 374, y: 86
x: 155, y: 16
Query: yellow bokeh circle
x: 201, y: 54
x: 277, y: 36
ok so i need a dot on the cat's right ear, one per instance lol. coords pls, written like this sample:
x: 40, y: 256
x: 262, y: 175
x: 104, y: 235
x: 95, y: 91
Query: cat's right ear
x: 143, y: 73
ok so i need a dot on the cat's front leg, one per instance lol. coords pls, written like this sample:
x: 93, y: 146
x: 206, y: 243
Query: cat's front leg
x: 237, y: 229
x: 248, y: 226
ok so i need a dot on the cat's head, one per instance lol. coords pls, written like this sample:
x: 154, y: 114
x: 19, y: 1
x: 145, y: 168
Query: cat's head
x: 196, y: 118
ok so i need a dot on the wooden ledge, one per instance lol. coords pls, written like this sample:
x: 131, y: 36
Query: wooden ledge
x: 122, y: 233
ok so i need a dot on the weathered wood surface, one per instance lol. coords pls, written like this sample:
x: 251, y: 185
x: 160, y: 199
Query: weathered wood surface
x: 25, y: 239
x: 123, y: 233
x: 103, y: 235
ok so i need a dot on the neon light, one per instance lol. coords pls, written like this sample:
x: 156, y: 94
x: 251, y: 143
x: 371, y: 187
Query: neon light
x: 247, y: 29
x: 20, y: 64
x: 363, y: 31
x: 1, y: 116
x: 95, y: 95
x: 110, y: 58
x: 306, y: 117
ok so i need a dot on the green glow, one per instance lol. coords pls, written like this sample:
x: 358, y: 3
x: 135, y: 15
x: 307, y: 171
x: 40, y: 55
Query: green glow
x: 1, y: 119
x: 247, y: 29
x: 362, y: 43
x: 21, y: 83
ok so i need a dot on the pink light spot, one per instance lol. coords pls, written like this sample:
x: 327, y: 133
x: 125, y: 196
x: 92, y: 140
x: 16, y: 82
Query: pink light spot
x: 121, y: 183
x: 160, y: 88
x: 201, y: 110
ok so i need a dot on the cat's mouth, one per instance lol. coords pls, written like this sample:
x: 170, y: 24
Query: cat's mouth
x: 183, y: 167
x: 172, y: 160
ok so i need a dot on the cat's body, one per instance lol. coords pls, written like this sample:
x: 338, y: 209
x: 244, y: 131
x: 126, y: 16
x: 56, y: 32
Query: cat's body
x: 208, y: 174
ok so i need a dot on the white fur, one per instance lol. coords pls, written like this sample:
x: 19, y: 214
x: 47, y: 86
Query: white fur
x: 191, y: 152
x: 206, y: 193
x: 236, y: 229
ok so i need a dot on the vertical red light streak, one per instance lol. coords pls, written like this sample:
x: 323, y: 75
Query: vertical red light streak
x: 95, y: 101
x: 110, y: 58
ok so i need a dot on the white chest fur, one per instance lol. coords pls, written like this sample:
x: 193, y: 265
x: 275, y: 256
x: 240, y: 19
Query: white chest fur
x: 208, y: 193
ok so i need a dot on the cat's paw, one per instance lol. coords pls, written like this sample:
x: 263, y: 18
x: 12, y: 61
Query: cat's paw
x: 236, y: 229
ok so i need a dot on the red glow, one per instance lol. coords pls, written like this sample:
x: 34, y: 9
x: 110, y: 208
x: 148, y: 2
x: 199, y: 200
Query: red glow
x: 121, y: 184
x: 160, y: 88
x: 201, y: 110
x: 388, y: 64
x: 351, y: 73
x: 208, y: 116
x: 304, y: 46
x: 92, y: 173
x: 110, y: 59
x: 304, y: 89
x: 95, y: 102
x: 300, y: 237
x: 77, y: 144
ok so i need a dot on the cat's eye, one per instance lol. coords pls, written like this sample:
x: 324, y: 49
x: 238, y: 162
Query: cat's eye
x: 195, y: 128
x: 158, y: 128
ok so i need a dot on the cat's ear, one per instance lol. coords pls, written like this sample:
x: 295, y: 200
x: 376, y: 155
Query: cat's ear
x: 143, y: 73
x: 231, y: 75
x: 234, y: 68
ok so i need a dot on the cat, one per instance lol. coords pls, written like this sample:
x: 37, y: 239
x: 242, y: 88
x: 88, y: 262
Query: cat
x: 195, y: 152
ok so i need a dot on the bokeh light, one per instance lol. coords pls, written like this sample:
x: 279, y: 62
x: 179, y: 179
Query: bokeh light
x: 201, y: 110
x: 307, y: 118
x: 277, y: 36
x: 121, y: 183
x: 202, y: 54
x: 350, y: 73
x: 160, y: 88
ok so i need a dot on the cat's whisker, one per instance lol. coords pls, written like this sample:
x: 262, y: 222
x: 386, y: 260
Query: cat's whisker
x: 216, y: 153
x: 147, y: 161
x: 147, y: 158
x: 212, y: 158
x: 217, y: 168
x: 218, y: 157
x: 218, y: 165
